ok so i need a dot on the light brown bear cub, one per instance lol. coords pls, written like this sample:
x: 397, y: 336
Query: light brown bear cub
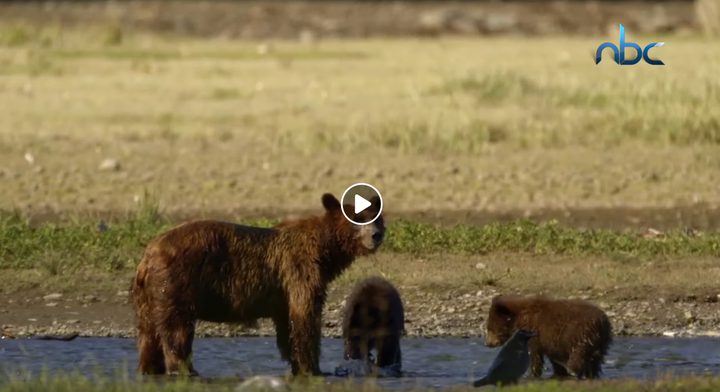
x: 574, y: 335
x: 224, y: 272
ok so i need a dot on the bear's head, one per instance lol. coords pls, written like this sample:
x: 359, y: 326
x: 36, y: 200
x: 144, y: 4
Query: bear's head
x: 355, y: 240
x: 501, y: 320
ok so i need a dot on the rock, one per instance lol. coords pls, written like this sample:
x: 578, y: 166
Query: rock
x: 447, y: 20
x: 53, y: 296
x: 689, y: 316
x: 262, y: 383
x: 90, y: 298
x: 480, y: 266
x: 500, y: 23
x: 651, y: 233
x: 109, y: 165
x: 29, y: 158
x: 711, y: 334
x: 51, y: 304
x: 432, y: 22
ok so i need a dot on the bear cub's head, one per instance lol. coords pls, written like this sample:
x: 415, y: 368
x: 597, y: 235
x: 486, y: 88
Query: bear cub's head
x: 357, y: 239
x: 501, y: 320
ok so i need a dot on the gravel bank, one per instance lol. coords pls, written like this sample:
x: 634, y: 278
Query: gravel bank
x: 428, y: 315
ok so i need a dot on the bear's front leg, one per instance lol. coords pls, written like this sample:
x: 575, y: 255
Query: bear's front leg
x: 305, y: 332
x: 536, y: 358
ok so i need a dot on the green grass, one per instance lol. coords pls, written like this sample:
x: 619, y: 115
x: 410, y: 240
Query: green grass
x: 544, y: 238
x: 66, y: 246
x: 82, y: 384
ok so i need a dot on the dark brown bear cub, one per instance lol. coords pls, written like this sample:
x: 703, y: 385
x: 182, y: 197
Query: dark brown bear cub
x: 374, y: 320
x: 224, y: 272
x: 574, y: 335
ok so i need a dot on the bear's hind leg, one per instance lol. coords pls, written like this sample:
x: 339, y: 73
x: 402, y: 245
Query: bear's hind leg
x: 595, y: 368
x: 559, y: 371
x: 177, y: 340
x: 282, y: 334
x: 151, y: 358
x: 579, y: 363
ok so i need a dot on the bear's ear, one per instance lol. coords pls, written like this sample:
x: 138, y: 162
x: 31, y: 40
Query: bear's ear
x: 330, y: 202
x: 375, y: 202
x: 501, y: 307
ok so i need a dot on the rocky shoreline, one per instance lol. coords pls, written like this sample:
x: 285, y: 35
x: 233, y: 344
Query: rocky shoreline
x: 453, y: 314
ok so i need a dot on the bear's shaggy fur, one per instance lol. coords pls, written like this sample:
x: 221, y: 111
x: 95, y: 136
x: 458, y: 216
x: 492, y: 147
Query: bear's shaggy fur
x: 374, y: 319
x: 574, y: 335
x: 224, y: 272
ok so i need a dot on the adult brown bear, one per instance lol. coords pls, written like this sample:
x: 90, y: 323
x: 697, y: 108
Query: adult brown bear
x: 374, y: 319
x: 224, y: 272
x: 573, y: 334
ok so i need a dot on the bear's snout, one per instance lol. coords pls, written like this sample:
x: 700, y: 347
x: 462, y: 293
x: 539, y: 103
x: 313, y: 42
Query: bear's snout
x: 377, y: 238
x: 491, y: 343
x: 371, y: 236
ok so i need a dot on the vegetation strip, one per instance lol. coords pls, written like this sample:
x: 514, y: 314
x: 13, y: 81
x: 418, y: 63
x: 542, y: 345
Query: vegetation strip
x: 116, y: 246
x: 80, y: 383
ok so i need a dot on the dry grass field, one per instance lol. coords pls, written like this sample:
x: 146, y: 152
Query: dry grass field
x: 227, y: 126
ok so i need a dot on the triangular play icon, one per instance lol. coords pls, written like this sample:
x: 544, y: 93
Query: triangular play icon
x: 361, y: 204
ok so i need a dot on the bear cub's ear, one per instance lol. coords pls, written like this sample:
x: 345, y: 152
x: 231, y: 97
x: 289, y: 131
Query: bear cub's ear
x: 502, y: 306
x: 330, y: 202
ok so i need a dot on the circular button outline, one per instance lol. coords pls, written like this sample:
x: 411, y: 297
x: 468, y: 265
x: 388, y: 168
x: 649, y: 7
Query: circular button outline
x: 342, y: 205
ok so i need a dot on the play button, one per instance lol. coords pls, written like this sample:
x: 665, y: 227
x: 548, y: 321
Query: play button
x: 361, y: 203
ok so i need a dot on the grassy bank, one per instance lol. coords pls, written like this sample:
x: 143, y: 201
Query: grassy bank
x: 80, y: 384
x: 63, y: 247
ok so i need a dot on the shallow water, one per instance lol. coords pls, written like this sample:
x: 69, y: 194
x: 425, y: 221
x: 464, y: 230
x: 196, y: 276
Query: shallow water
x: 432, y: 362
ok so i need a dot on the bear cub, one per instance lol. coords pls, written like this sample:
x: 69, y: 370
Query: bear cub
x: 374, y: 319
x: 574, y: 335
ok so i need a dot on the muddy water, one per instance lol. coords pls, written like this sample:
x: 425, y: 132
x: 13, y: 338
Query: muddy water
x: 436, y: 362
